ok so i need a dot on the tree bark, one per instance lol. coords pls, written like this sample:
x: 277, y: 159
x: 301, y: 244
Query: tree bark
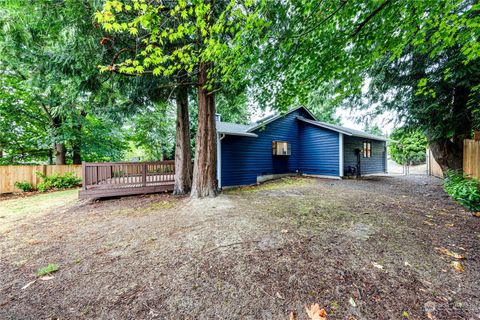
x: 204, y: 171
x: 76, y: 154
x: 449, y: 152
x: 60, y: 153
x: 183, y: 156
x: 58, y: 147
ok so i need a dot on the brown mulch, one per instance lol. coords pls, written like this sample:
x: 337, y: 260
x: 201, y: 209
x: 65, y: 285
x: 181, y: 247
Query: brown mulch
x: 362, y: 249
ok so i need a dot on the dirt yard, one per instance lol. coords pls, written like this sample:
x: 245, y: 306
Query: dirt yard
x: 362, y: 249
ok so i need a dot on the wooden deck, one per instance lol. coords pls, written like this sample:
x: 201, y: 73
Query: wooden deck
x: 112, y: 179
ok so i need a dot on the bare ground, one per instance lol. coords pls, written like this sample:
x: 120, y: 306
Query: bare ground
x: 362, y: 249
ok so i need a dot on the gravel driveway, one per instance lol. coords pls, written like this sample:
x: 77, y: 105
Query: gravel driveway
x: 362, y: 249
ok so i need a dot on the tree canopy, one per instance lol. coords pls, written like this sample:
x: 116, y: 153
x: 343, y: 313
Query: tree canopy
x: 76, y: 73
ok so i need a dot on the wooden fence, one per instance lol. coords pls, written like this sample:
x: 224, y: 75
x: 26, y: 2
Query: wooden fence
x: 11, y: 174
x: 433, y: 167
x: 471, y: 158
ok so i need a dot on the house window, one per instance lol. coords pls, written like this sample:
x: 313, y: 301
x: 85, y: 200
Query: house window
x: 367, y: 149
x: 281, y: 148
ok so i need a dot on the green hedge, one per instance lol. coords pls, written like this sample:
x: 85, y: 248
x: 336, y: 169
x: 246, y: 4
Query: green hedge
x: 57, y: 181
x: 463, y: 189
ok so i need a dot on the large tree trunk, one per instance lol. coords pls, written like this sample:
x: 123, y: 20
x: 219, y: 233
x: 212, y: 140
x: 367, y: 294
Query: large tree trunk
x: 60, y: 153
x: 449, y: 152
x: 204, y: 171
x: 76, y: 153
x: 59, y: 147
x: 183, y: 156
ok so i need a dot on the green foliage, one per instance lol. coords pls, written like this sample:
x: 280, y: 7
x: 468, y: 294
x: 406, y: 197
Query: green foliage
x: 51, y: 268
x: 180, y: 35
x: 408, y: 146
x: 463, y: 189
x: 58, y: 181
x: 416, y: 60
x: 154, y: 131
x: 25, y: 186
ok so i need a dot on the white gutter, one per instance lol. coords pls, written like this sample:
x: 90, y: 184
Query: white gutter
x: 340, y: 154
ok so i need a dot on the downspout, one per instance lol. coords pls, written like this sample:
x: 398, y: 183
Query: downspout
x: 340, y: 154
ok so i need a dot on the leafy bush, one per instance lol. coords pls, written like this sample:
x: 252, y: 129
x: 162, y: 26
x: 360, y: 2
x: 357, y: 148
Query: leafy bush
x: 57, y: 181
x: 409, y: 146
x: 25, y: 186
x: 464, y: 190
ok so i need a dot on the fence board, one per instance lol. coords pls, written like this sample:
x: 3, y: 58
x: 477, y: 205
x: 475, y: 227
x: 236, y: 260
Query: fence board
x: 11, y: 174
x: 434, y: 168
x: 471, y: 158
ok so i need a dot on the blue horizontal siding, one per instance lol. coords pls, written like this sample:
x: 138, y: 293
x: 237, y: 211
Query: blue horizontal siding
x: 245, y: 158
x: 374, y: 164
x: 319, y: 152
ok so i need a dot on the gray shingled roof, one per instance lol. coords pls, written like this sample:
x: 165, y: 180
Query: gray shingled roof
x: 246, y: 130
x: 234, y: 129
x: 344, y: 130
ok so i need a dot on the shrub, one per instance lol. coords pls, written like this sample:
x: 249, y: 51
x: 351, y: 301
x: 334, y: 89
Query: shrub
x: 57, y: 181
x: 47, y: 270
x: 25, y: 186
x: 463, y: 189
x: 409, y: 146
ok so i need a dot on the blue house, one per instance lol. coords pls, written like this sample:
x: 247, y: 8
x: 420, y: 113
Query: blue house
x: 295, y: 143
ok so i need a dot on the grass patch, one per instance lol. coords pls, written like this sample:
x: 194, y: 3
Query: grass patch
x: 15, y: 209
x: 51, y: 268
x: 282, y: 183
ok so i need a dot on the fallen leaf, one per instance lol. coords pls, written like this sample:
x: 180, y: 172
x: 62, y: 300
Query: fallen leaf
x: 476, y: 214
x: 449, y: 225
x: 279, y: 296
x: 352, y: 302
x: 428, y: 223
x: 28, y: 284
x: 376, y: 265
x: 315, y: 312
x: 293, y: 316
x: 457, y: 266
x: 430, y: 316
x: 450, y: 253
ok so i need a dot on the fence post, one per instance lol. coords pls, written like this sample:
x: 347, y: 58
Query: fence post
x: 84, y: 176
x: 144, y: 174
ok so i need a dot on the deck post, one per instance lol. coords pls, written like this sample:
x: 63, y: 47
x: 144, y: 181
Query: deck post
x: 144, y: 174
x: 84, y: 176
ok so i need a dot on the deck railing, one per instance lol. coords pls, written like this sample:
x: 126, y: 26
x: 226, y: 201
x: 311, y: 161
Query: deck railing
x: 131, y: 174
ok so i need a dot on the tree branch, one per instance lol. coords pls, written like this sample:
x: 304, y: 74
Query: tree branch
x: 362, y: 24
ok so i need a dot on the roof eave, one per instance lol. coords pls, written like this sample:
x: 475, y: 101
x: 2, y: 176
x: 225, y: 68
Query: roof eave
x: 241, y: 134
x: 315, y: 123
x: 371, y: 137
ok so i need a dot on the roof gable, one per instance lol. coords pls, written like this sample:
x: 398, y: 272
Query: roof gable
x: 277, y: 116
